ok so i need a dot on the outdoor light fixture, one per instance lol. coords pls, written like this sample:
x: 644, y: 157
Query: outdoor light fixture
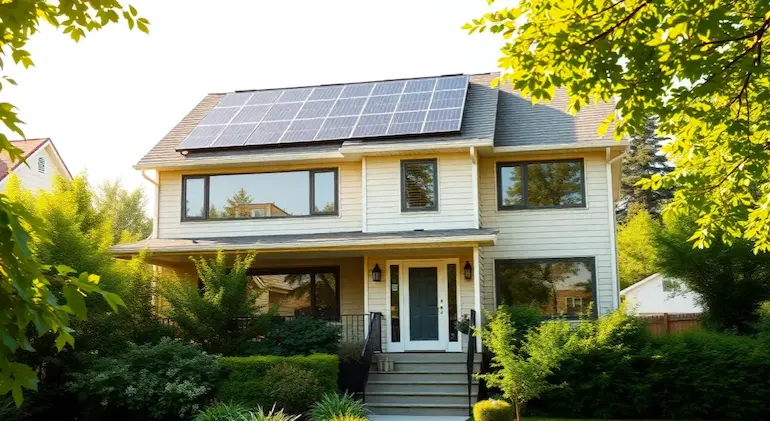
x: 468, y: 271
x: 376, y: 273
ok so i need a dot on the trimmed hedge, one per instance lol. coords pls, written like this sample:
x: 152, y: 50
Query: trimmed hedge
x: 244, y: 379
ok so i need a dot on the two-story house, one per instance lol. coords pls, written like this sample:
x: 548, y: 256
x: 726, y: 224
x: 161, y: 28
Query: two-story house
x: 423, y: 200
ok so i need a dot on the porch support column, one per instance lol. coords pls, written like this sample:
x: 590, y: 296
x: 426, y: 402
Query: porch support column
x: 477, y: 291
x: 366, y: 294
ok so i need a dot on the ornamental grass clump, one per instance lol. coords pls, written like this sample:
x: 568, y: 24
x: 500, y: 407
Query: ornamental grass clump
x: 333, y: 405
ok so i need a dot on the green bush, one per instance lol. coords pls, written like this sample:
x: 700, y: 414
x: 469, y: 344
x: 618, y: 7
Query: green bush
x: 523, y: 318
x: 693, y: 375
x: 297, y: 336
x: 493, y: 410
x: 245, y: 379
x: 224, y: 412
x: 292, y: 388
x: 167, y: 381
x: 334, y: 405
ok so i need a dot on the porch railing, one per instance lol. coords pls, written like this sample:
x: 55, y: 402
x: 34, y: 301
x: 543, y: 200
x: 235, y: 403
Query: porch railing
x: 373, y: 343
x: 352, y: 326
x: 471, y: 357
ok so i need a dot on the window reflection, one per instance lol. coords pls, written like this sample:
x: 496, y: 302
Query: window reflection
x: 300, y: 294
x: 419, y: 184
x: 556, y: 287
x: 262, y: 195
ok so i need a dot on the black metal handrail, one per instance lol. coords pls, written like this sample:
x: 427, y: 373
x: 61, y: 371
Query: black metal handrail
x: 470, y: 359
x: 373, y: 343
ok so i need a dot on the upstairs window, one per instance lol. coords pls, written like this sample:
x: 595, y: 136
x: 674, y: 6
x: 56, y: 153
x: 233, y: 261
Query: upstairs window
x: 41, y: 165
x: 419, y: 185
x: 540, y: 185
x: 261, y: 195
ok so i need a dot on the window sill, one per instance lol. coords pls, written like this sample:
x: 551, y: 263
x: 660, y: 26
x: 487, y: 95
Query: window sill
x: 277, y: 218
x: 564, y: 208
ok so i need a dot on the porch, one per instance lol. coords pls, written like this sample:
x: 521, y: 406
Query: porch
x: 420, y: 282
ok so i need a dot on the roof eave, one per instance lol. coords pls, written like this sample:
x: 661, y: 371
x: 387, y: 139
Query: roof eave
x: 599, y: 145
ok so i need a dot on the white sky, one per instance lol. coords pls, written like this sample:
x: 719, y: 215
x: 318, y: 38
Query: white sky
x: 107, y: 100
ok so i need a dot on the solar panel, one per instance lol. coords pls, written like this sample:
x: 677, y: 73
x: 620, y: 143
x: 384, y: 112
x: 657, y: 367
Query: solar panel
x: 333, y: 112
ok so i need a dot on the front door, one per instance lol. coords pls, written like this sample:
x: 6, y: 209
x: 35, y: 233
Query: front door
x: 423, y: 304
x: 424, y: 299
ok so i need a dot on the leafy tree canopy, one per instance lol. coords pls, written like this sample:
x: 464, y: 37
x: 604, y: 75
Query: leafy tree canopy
x: 27, y: 298
x: 126, y: 210
x: 698, y: 66
x: 637, y: 254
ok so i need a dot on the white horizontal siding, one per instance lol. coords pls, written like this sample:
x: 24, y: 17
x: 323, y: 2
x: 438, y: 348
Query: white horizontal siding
x: 383, y: 195
x: 349, y: 219
x: 33, y: 180
x: 551, y: 233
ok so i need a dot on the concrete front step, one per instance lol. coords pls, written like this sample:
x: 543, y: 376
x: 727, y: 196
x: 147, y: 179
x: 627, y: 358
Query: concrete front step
x: 428, y: 357
x: 433, y: 367
x: 411, y: 376
x: 427, y: 398
x: 426, y: 386
x: 449, y: 410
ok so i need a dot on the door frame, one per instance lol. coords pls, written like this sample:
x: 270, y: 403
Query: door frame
x: 443, y: 343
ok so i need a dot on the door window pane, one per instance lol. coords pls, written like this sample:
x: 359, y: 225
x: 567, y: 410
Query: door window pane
x: 451, y: 273
x: 395, y: 305
x: 194, y: 198
x: 419, y: 185
x: 555, y: 286
x: 324, y: 197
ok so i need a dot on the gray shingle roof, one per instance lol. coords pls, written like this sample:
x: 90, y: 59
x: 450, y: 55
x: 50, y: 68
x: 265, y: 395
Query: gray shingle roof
x: 519, y: 123
x: 303, y: 241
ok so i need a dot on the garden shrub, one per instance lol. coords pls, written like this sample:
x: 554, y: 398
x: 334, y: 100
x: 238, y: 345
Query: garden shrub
x: 273, y: 415
x: 523, y: 318
x: 167, y: 381
x: 493, y: 410
x: 246, y: 380
x: 693, y: 375
x: 348, y: 417
x: 302, y: 335
x: 334, y: 405
x: 292, y: 388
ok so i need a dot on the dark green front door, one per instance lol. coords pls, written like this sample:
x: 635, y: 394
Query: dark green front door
x: 423, y: 304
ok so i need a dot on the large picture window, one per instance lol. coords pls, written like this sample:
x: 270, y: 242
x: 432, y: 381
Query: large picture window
x: 260, y: 195
x: 301, y: 291
x: 546, y: 184
x: 558, y: 287
x: 419, y: 185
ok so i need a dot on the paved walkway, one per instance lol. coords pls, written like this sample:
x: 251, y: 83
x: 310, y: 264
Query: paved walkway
x: 414, y: 418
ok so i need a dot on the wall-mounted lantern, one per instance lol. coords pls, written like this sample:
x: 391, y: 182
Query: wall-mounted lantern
x: 376, y: 273
x: 468, y: 271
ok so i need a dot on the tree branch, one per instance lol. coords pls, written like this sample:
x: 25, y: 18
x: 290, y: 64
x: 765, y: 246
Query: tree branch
x: 617, y: 24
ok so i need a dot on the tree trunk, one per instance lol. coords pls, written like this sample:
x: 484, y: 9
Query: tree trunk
x: 516, y: 406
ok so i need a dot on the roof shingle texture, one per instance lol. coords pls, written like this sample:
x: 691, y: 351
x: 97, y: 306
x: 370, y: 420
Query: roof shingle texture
x: 27, y: 147
x: 520, y: 123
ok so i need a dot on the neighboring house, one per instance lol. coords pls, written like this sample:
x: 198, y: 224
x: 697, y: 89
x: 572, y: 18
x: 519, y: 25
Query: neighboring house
x: 657, y: 294
x: 421, y: 200
x: 43, y: 164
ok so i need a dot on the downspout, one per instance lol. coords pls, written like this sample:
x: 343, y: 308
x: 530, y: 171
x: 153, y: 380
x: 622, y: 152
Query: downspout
x: 156, y: 211
x: 613, y: 222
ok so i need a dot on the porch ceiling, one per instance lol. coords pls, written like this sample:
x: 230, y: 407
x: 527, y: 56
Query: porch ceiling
x: 343, y: 241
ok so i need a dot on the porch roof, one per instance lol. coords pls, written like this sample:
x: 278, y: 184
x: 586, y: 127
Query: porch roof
x: 356, y: 240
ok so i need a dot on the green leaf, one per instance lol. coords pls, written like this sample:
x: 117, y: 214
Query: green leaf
x: 75, y: 301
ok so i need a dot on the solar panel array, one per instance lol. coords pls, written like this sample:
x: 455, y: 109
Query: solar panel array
x: 332, y: 112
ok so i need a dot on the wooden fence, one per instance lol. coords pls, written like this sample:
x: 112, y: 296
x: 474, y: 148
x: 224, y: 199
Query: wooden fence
x: 672, y: 323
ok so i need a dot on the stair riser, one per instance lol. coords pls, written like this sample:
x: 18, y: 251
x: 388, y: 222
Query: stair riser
x: 405, y: 377
x: 417, y: 388
x: 437, y: 400
x: 427, y: 357
x: 435, y: 412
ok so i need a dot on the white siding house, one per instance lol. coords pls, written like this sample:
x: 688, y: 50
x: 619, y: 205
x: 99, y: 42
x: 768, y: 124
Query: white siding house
x: 43, y: 164
x: 657, y: 294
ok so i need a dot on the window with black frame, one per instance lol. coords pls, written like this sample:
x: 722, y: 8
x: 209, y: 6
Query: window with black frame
x: 544, y: 184
x: 301, y: 292
x: 419, y: 185
x: 260, y: 195
x: 557, y: 287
